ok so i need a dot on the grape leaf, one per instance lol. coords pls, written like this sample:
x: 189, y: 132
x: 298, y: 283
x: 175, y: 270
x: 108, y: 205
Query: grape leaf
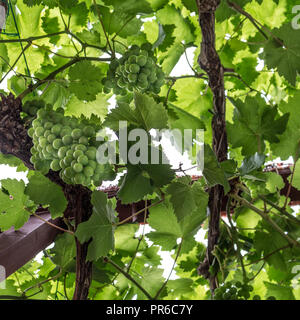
x: 186, y: 198
x: 150, y: 114
x: 296, y: 178
x: 125, y: 240
x: 85, y: 80
x: 50, y: 25
x: 147, y: 114
x: 123, y: 112
x: 289, y: 141
x: 130, y: 6
x: 170, y: 15
x: 280, y: 292
x: 167, y: 228
x: 99, y: 227
x: 142, y: 179
x: 255, y: 122
x: 268, y: 242
x: 283, y: 53
x: 213, y: 172
x: 45, y: 192
x: 78, y: 108
x: 122, y: 23
x: 12, y: 162
x: 64, y: 251
x: 13, y: 204
x: 252, y: 163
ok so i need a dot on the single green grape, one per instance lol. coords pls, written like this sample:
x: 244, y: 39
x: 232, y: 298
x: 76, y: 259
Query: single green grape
x: 56, y: 129
x: 43, y: 142
x: 88, y: 171
x: 89, y: 131
x: 47, y: 133
x: 141, y: 60
x: 62, y: 152
x: 76, y: 134
x: 65, y: 131
x: 30, y: 132
x: 62, y: 164
x: 57, y: 143
x: 69, y: 172
x: 79, y: 178
x: 51, y: 138
x: 81, y: 147
x: 69, y: 153
x: 83, y: 159
x: 67, y: 140
x: 55, y: 165
x: 77, y: 167
x: 146, y: 46
x: 68, y: 160
x: 77, y: 154
x: 144, y: 53
x: 36, y: 123
x: 83, y: 141
x: 91, y: 153
x: 132, y: 59
x: 48, y: 125
x: 50, y: 149
x: 132, y: 77
x: 134, y: 68
x: 39, y: 131
x: 92, y: 164
x: 121, y: 83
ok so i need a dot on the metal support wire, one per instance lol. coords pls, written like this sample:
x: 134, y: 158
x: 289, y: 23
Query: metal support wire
x: 18, y: 34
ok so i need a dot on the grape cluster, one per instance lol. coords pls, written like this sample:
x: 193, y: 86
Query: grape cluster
x: 233, y: 291
x: 66, y: 145
x: 135, y: 70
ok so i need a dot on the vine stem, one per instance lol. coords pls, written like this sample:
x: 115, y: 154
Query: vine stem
x: 30, y: 39
x: 51, y: 224
x: 260, y: 27
x: 43, y: 282
x: 140, y: 239
x: 199, y: 76
x: 174, y: 263
x: 265, y: 216
x: 235, y: 236
x: 103, y: 28
x: 16, y: 61
x: 129, y: 277
x: 269, y: 255
x: 53, y: 74
x: 281, y: 210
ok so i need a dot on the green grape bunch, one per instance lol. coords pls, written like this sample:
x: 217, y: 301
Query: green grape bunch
x: 66, y: 145
x: 234, y: 291
x: 137, y: 69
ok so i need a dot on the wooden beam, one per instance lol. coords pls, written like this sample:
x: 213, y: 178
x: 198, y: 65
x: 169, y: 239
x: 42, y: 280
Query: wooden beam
x: 17, y: 247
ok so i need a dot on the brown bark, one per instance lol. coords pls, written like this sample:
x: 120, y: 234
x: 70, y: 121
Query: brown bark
x: 15, y: 141
x: 209, y: 61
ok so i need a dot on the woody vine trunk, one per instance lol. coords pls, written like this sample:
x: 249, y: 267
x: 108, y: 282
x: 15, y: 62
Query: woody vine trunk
x: 209, y: 61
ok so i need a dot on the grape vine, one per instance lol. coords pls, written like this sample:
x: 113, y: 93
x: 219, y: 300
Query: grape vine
x: 69, y: 68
